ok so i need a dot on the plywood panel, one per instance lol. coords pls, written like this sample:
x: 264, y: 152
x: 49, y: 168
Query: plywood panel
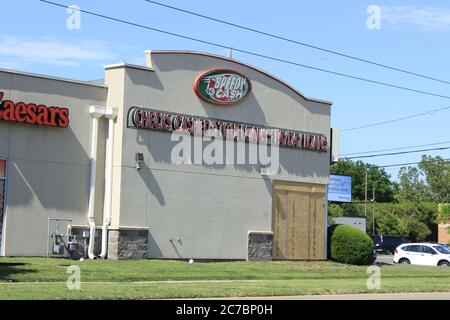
x: 321, y: 228
x: 291, y: 227
x: 313, y: 229
x: 275, y: 226
x: 317, y: 232
x: 300, y: 232
x: 299, y: 187
x: 279, y: 222
x: 291, y: 234
x: 298, y: 221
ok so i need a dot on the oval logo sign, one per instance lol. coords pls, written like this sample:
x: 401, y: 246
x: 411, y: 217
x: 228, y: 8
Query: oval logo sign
x: 222, y: 86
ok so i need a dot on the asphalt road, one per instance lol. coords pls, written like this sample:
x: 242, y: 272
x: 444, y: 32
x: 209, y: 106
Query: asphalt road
x: 384, y: 259
x: 364, y: 296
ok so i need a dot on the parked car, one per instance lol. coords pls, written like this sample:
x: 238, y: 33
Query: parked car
x: 426, y: 254
x: 387, y: 243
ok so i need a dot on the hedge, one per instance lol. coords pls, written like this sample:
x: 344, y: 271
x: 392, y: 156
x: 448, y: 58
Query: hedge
x: 347, y: 244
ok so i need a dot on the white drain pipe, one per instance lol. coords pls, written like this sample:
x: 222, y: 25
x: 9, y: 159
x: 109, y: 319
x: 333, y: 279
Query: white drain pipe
x: 111, y: 114
x: 96, y: 113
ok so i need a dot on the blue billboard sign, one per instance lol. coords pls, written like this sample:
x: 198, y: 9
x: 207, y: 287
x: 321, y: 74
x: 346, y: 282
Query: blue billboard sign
x: 340, y: 188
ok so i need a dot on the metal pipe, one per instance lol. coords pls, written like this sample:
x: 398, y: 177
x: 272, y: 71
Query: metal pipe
x: 326, y: 224
x: 93, y: 161
x: 108, y: 186
x: 365, y: 195
x: 373, y: 211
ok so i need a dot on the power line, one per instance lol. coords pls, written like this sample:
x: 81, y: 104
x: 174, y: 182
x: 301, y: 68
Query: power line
x: 395, y: 153
x: 404, y: 164
x: 399, y: 148
x: 397, y: 119
x: 279, y: 37
x: 248, y: 52
x: 311, y: 46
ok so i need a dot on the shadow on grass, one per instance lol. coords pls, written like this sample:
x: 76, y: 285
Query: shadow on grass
x: 383, y: 264
x: 9, y: 269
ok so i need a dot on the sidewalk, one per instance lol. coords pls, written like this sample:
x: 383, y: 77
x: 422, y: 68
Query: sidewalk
x: 363, y: 296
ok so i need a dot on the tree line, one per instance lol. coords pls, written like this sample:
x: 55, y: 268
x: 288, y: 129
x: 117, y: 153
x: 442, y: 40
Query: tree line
x: 406, y: 207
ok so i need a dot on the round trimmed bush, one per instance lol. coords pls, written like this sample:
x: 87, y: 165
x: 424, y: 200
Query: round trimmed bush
x: 349, y: 245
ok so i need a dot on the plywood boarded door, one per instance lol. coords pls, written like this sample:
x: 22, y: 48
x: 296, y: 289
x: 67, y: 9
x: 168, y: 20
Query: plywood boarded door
x: 298, y: 221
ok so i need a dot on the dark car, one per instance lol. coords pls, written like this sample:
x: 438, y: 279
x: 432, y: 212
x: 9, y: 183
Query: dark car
x: 387, y: 243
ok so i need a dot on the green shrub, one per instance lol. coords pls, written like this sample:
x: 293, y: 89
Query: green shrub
x: 347, y: 244
x: 443, y: 213
x: 414, y: 221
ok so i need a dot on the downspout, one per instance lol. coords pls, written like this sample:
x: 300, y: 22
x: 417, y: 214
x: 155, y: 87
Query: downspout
x: 95, y: 113
x: 110, y: 114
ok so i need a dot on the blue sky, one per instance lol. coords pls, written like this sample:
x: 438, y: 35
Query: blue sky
x: 414, y: 35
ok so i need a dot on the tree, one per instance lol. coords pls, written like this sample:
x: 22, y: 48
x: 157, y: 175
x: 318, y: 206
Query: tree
x: 391, y: 224
x: 430, y: 181
x: 385, y: 189
x: 443, y: 213
x: 418, y: 231
x: 411, y: 186
x: 414, y: 221
x: 437, y: 173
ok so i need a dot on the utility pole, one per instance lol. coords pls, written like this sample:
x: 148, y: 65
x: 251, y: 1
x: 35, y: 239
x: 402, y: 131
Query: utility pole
x: 230, y: 53
x: 365, y: 195
x: 373, y: 210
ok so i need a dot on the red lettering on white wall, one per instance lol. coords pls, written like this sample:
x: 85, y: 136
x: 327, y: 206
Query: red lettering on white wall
x: 142, y: 118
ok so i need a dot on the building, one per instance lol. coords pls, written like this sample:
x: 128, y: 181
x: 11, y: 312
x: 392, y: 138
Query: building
x: 443, y: 228
x: 444, y: 233
x: 102, y: 155
x: 357, y: 222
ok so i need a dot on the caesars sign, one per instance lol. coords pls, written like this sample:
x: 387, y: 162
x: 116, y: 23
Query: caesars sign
x: 31, y: 113
x: 142, y: 118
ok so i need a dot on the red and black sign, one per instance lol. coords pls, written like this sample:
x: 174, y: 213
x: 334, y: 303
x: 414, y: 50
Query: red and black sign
x: 222, y: 87
x: 31, y: 113
x: 142, y: 118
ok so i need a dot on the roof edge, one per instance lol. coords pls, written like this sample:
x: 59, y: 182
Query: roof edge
x: 150, y: 52
x: 44, y: 76
x: 127, y: 65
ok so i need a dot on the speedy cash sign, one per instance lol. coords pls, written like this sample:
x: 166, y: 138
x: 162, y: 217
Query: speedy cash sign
x: 222, y: 87
x: 32, y: 113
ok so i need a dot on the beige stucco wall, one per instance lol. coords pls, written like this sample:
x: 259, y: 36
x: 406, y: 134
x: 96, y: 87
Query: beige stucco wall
x: 191, y: 211
x: 48, y: 167
x: 199, y: 211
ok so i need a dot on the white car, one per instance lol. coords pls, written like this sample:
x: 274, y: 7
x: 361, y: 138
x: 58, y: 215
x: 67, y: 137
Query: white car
x: 426, y: 254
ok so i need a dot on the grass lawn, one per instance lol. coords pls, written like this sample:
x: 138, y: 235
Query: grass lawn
x: 42, y: 278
